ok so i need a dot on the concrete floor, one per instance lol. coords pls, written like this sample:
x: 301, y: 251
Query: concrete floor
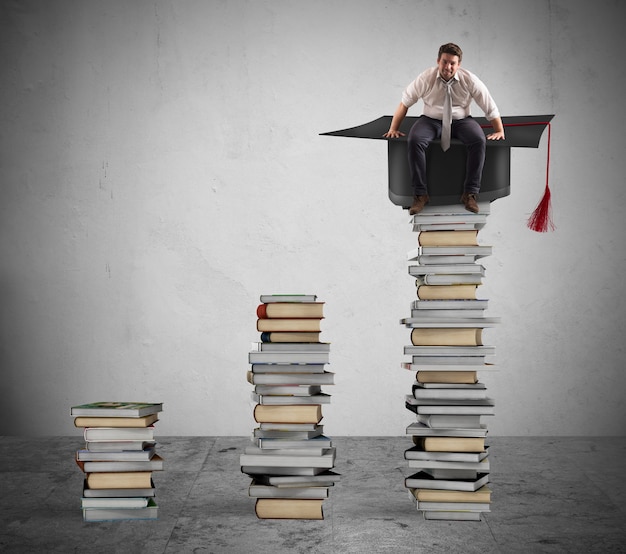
x: 549, y: 495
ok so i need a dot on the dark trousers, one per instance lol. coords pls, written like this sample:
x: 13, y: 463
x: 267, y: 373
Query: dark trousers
x: 425, y: 130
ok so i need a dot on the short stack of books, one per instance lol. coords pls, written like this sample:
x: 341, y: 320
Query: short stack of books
x: 290, y: 460
x: 118, y: 459
x: 449, y: 455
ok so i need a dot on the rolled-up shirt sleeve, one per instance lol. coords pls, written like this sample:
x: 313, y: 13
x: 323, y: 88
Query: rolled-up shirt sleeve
x: 480, y: 94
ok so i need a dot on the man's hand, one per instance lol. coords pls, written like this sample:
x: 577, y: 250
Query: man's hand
x: 393, y: 134
x: 498, y: 135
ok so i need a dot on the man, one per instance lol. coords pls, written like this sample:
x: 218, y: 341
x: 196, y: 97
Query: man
x: 432, y: 86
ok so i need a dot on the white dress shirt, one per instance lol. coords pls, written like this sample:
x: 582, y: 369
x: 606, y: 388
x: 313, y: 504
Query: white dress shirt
x: 431, y: 88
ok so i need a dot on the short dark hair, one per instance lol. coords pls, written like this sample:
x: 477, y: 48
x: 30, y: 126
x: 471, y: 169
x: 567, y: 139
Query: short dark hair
x: 450, y: 48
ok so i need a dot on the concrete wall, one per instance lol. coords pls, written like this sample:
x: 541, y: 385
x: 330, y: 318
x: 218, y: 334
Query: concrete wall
x: 161, y: 167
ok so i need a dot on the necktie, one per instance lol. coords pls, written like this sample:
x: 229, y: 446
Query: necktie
x: 446, y: 121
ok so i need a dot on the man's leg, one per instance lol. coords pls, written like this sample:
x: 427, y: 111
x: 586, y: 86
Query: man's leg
x: 469, y: 132
x: 424, y: 131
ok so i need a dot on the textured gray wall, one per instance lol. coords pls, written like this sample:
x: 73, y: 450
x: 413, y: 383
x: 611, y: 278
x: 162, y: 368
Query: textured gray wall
x: 161, y: 166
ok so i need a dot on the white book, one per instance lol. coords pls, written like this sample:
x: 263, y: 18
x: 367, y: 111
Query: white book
x: 416, y: 453
x: 422, y: 480
x: 291, y: 390
x: 417, y: 429
x: 268, y: 298
x: 480, y: 304
x: 326, y: 460
x: 481, y: 467
x: 446, y: 269
x: 287, y: 357
x: 275, y: 400
x: 423, y: 322
x: 268, y: 491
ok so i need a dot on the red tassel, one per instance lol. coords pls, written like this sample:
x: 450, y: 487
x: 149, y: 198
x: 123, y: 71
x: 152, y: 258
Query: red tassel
x: 541, y: 219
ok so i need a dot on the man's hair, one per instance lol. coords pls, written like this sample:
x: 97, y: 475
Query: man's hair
x: 450, y: 48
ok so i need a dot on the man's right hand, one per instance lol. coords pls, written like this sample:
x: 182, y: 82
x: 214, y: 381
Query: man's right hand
x: 393, y: 134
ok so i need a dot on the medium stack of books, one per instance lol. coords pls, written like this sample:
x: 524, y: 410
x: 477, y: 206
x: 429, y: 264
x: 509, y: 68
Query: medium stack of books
x: 290, y: 459
x: 447, y: 321
x: 118, y: 459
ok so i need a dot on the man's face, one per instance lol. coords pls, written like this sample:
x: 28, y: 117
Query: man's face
x: 448, y: 65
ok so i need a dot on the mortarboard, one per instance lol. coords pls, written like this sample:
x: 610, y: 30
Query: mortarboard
x: 446, y: 170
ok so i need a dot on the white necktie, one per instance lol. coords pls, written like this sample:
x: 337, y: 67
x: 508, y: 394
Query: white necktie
x: 446, y: 122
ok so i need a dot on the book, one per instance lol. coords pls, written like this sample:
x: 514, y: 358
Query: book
x: 456, y: 210
x: 446, y: 305
x: 304, y: 471
x: 448, y: 279
x: 441, y: 364
x: 451, y: 315
x: 256, y: 490
x: 426, y: 465
x: 286, y: 435
x: 295, y: 310
x: 446, y: 269
x: 119, y: 502
x: 308, y: 325
x: 483, y: 494
x: 451, y: 350
x: 291, y: 346
x: 115, y: 493
x: 446, y: 336
x: 449, y: 421
x: 323, y: 378
x: 467, y: 392
x: 101, y: 421
x: 447, y: 292
x: 289, y: 336
x: 274, y: 443
x: 450, y: 444
x: 116, y: 446
x: 155, y: 463
x: 417, y: 453
x: 326, y: 460
x: 416, y: 255
x: 116, y: 409
x: 114, y: 514
x: 295, y: 508
x: 284, y: 426
x: 448, y: 238
x: 466, y: 407
x: 458, y: 515
x: 286, y: 368
x: 277, y: 400
x: 455, y: 376
x: 439, y: 322
x: 308, y: 413
x: 288, y: 357
x: 118, y: 433
x: 118, y: 456
x: 325, y: 478
x: 269, y: 298
x: 436, y: 507
x: 422, y: 480
x: 418, y: 429
x: 119, y: 480
x: 288, y: 390
x: 479, y: 251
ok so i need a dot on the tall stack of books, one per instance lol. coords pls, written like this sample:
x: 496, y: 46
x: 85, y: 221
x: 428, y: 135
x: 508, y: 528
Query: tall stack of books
x: 290, y: 460
x: 118, y: 459
x: 447, y: 321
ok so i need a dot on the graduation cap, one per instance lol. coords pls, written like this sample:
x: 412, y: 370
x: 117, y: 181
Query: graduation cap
x: 446, y: 170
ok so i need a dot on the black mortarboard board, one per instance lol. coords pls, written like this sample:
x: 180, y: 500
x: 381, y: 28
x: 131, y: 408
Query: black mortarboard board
x: 446, y: 170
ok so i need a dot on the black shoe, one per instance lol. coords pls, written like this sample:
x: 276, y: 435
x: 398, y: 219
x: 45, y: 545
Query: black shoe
x: 418, y: 204
x: 469, y: 200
